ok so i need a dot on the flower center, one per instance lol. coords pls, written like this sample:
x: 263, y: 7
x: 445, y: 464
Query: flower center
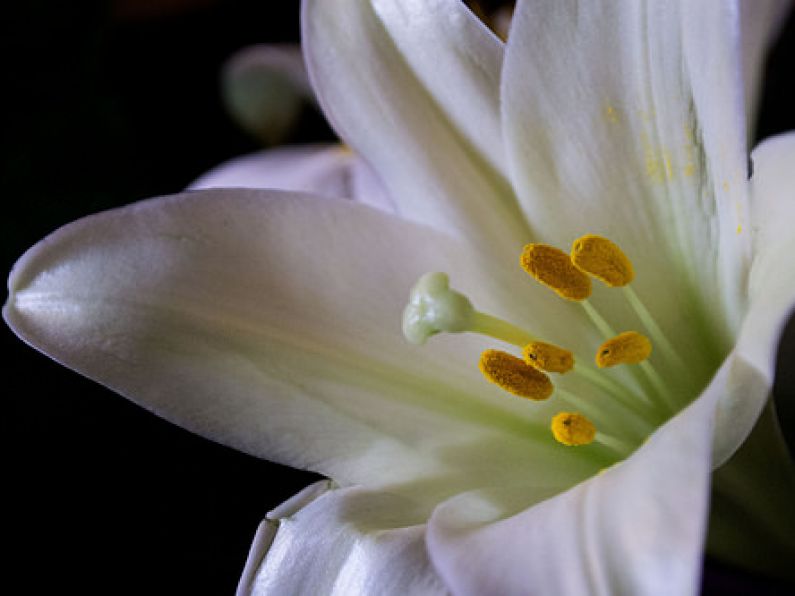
x: 434, y: 308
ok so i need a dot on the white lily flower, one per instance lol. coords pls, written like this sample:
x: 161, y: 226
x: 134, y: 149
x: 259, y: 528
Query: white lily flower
x: 270, y: 321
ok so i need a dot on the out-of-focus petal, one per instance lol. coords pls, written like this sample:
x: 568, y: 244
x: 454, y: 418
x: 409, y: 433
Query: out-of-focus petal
x: 324, y: 170
x: 760, y: 21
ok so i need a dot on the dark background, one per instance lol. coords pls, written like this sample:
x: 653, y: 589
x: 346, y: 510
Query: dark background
x: 111, y: 103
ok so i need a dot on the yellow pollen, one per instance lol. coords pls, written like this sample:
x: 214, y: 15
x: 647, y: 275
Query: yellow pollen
x: 553, y: 268
x: 603, y: 259
x: 629, y: 347
x: 548, y: 357
x: 513, y: 375
x: 572, y: 429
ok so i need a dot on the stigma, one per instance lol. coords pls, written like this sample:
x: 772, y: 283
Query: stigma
x: 514, y: 375
x: 434, y: 307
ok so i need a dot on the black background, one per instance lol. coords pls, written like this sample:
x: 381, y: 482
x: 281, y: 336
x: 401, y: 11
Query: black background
x: 108, y: 103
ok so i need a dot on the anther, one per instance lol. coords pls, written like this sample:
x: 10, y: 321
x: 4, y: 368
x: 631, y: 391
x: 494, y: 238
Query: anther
x: 572, y: 429
x: 603, y: 259
x: 513, y: 375
x: 553, y: 268
x: 629, y: 347
x: 548, y: 357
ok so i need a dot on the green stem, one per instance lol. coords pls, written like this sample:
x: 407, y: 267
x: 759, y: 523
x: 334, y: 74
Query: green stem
x: 598, y: 320
x: 499, y: 329
x: 658, y: 337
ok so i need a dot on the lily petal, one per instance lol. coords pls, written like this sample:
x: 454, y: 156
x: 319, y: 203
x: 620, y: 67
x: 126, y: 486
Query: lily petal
x: 637, y: 528
x: 343, y: 541
x: 626, y: 119
x: 325, y: 170
x: 772, y: 278
x: 771, y: 289
x: 271, y: 322
x: 426, y: 77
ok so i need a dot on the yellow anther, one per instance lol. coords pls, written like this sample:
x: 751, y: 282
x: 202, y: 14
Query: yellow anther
x: 572, y: 429
x: 629, y: 347
x: 603, y: 259
x: 548, y: 357
x: 553, y: 268
x: 513, y: 375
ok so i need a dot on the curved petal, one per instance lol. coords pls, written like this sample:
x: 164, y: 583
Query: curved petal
x: 344, y: 541
x: 271, y: 322
x: 772, y: 278
x: 637, y: 528
x: 771, y: 289
x: 264, y: 87
x: 325, y: 170
x: 414, y: 87
x: 626, y: 119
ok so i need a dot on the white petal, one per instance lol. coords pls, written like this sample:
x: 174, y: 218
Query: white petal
x: 325, y: 170
x: 264, y: 87
x: 626, y: 119
x: 771, y: 289
x: 271, y: 322
x: 344, y: 541
x: 413, y: 86
x: 637, y: 528
x: 267, y: 529
x: 772, y: 278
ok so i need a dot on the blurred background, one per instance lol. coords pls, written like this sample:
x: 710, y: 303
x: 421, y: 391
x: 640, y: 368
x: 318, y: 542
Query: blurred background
x: 109, y: 103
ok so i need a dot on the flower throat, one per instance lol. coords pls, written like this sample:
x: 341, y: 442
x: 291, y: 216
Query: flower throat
x: 435, y: 308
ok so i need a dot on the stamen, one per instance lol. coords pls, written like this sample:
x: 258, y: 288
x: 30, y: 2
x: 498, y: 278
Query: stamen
x: 603, y: 259
x: 553, y: 268
x: 622, y: 447
x: 572, y: 429
x: 629, y: 347
x: 498, y: 329
x: 598, y: 320
x: 652, y: 327
x: 513, y: 375
x: 548, y: 357
x: 637, y: 403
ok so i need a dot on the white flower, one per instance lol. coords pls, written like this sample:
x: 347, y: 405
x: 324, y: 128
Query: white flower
x: 270, y: 321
